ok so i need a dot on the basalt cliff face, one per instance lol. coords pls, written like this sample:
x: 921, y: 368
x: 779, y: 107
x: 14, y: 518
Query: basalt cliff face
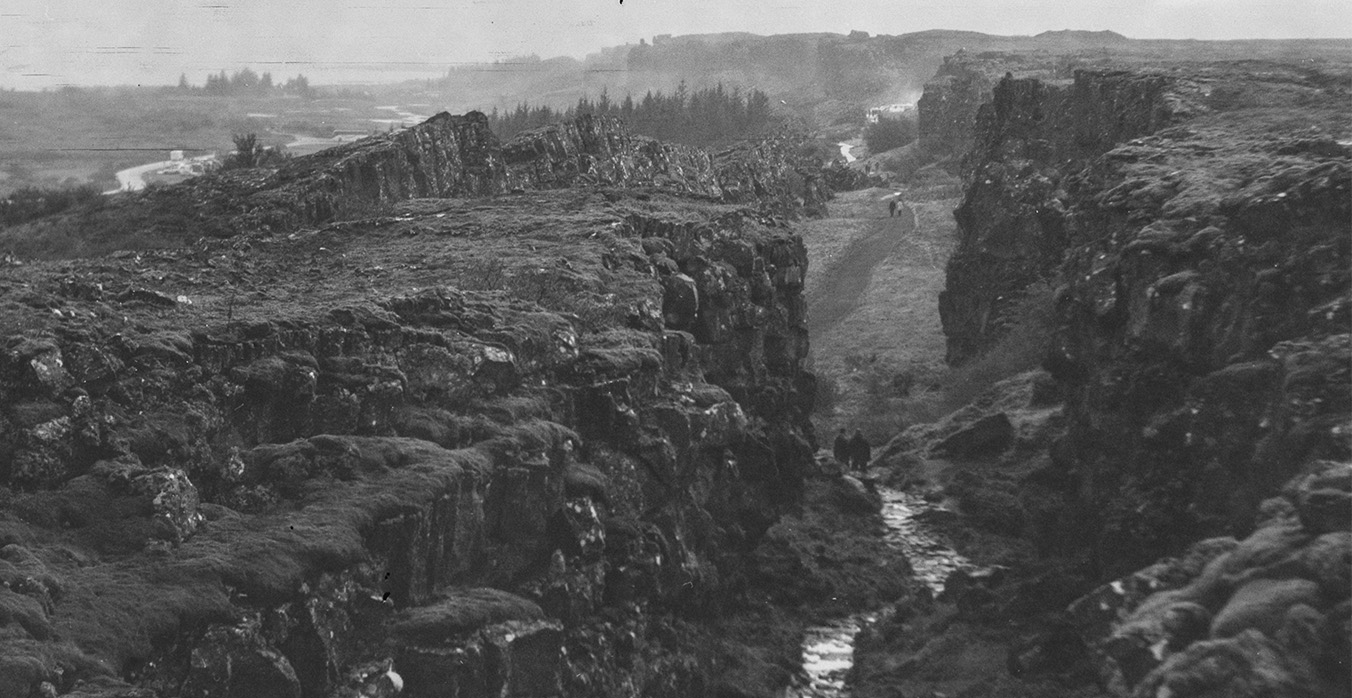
x: 512, y: 445
x: 1194, y: 222
x: 446, y: 156
x: 1028, y: 137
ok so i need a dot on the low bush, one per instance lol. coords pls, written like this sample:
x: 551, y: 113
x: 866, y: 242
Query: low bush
x: 887, y: 134
x: 29, y: 203
x: 879, y: 398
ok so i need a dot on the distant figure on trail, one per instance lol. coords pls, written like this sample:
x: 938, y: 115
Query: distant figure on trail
x: 841, y: 448
x: 860, y: 451
x: 892, y: 208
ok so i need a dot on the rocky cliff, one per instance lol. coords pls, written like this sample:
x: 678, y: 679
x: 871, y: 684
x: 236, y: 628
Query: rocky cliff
x: 947, y: 108
x: 1028, y: 137
x: 1194, y: 221
x: 446, y: 156
x: 508, y: 446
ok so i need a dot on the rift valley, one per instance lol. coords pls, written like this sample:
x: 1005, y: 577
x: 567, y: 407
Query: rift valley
x: 435, y: 413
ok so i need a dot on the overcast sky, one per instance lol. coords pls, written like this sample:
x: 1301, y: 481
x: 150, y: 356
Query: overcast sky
x: 47, y: 43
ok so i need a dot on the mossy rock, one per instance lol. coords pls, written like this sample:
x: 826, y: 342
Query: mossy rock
x: 463, y: 611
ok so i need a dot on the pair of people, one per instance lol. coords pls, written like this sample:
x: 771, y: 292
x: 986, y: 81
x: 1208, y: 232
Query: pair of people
x: 853, y: 452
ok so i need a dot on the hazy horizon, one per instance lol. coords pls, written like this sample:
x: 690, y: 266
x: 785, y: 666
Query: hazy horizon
x: 52, y: 43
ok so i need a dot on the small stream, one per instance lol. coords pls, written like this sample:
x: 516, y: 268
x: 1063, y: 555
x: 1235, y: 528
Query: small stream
x: 828, y: 650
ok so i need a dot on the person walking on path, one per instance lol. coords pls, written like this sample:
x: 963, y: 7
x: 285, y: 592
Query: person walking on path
x: 860, y: 451
x: 841, y: 448
x: 892, y: 208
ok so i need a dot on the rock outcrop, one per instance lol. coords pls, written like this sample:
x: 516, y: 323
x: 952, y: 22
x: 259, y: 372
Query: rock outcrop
x: 445, y: 156
x: 1028, y: 138
x: 1267, y: 615
x: 468, y: 447
x: 1194, y: 222
x: 1203, y: 300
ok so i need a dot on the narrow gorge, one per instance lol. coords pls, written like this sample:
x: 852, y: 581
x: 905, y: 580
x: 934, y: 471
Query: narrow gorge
x: 431, y: 414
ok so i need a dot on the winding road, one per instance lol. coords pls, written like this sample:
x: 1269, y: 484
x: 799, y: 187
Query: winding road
x: 133, y: 178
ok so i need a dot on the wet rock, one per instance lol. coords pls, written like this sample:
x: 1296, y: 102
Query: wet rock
x: 854, y: 497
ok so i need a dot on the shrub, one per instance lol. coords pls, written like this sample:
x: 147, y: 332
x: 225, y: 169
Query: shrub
x: 250, y: 153
x: 1031, y: 320
x: 887, y: 134
x: 34, y: 202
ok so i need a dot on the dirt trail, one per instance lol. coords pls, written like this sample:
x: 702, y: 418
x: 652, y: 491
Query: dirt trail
x: 874, y: 238
x: 873, y: 280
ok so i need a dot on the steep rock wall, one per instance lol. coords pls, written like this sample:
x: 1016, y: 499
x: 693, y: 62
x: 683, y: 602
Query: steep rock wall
x: 946, y: 111
x: 1202, y: 334
x: 1011, y: 222
x: 453, y: 486
x: 1195, y: 224
x: 1202, y: 275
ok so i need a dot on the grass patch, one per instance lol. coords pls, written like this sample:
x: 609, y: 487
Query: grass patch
x: 1022, y: 348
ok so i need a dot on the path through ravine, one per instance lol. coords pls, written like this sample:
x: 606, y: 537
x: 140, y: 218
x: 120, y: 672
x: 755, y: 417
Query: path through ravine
x: 873, y: 279
x: 872, y: 290
x: 874, y: 238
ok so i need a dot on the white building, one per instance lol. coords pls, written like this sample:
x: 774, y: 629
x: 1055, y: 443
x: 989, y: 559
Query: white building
x: 888, y: 111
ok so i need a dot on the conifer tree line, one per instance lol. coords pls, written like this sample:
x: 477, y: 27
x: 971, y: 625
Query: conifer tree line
x: 245, y: 82
x: 704, y: 117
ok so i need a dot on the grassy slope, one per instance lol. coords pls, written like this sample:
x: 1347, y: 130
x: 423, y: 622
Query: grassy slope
x: 892, y: 327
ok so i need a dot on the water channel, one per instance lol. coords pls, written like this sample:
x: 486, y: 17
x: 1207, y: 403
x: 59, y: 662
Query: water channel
x: 828, y: 650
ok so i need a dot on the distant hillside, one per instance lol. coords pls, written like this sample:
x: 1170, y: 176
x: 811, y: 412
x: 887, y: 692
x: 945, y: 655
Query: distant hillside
x: 823, y: 78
